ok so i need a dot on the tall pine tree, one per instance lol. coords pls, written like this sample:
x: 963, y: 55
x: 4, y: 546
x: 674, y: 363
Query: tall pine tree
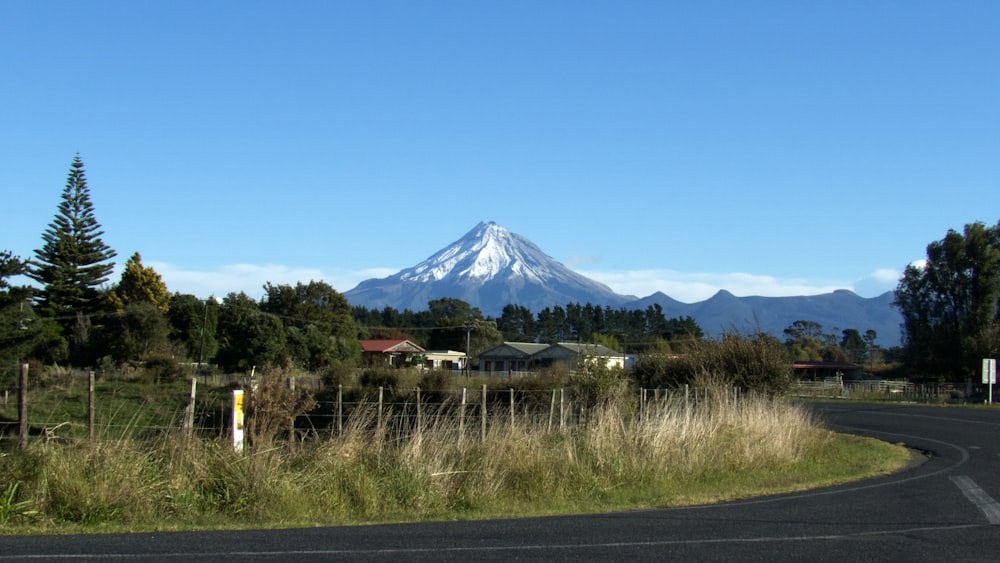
x: 74, y: 261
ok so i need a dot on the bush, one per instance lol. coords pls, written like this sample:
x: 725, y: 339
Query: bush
x: 753, y: 362
x: 373, y: 378
x: 160, y: 369
x: 437, y: 385
x: 337, y: 373
x: 273, y: 407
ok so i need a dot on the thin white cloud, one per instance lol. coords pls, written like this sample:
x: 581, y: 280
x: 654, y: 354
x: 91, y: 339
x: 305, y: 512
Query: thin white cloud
x: 250, y: 278
x: 888, y: 275
x: 878, y: 282
x: 685, y: 287
x: 695, y: 287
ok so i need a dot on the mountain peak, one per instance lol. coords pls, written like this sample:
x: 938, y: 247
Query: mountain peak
x: 488, y: 267
x: 485, y: 252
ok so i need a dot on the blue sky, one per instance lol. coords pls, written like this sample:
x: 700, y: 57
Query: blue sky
x: 765, y: 147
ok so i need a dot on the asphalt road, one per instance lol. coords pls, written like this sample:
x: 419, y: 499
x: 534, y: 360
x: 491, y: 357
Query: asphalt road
x: 943, y: 509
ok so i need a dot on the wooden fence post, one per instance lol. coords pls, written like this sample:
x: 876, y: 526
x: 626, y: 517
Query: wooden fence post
x: 189, y: 413
x: 461, y: 417
x: 482, y: 415
x: 418, y: 412
x: 552, y: 410
x: 340, y: 410
x: 512, y: 407
x: 380, y: 408
x: 91, y: 407
x: 22, y: 408
x: 562, y: 408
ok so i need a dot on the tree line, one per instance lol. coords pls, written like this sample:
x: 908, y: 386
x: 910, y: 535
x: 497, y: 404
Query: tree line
x: 75, y: 316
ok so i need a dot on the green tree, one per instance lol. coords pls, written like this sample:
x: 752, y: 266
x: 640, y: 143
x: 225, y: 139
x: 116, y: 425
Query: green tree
x: 517, y: 324
x: 950, y: 304
x: 854, y: 345
x: 19, y: 326
x: 73, y: 261
x: 193, y: 323
x: 140, y: 284
x: 318, y: 322
x: 249, y: 337
x: 136, y: 332
x: 870, y: 336
x: 805, y: 340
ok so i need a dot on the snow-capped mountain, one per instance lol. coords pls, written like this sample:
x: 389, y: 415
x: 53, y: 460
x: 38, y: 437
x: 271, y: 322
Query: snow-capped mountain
x: 489, y: 268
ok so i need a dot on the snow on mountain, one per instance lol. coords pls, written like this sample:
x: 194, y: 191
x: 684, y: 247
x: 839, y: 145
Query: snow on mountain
x: 491, y: 267
x: 488, y: 268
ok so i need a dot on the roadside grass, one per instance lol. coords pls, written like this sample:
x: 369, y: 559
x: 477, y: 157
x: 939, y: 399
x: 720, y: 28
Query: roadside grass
x: 672, y: 455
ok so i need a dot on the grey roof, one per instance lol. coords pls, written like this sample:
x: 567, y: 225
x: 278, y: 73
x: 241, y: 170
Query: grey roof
x: 514, y: 350
x: 531, y: 349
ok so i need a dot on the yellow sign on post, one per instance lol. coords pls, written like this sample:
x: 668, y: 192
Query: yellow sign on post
x: 238, y: 420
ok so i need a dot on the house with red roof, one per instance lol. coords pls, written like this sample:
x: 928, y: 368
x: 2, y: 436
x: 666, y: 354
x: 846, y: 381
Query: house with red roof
x: 393, y: 353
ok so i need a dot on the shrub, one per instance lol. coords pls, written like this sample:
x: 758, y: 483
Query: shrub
x: 373, y: 378
x: 159, y: 368
x: 755, y: 362
x: 273, y: 407
x: 337, y: 373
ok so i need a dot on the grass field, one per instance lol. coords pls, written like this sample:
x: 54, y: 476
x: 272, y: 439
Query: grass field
x: 672, y: 455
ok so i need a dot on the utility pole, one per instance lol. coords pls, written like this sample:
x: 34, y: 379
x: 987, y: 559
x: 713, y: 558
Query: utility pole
x: 468, y: 341
x: 204, y: 321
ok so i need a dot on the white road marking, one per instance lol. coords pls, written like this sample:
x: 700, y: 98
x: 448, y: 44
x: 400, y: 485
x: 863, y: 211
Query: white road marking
x: 978, y: 497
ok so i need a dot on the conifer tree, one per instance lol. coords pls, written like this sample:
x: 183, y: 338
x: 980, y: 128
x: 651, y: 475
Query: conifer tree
x: 73, y: 261
x: 140, y: 284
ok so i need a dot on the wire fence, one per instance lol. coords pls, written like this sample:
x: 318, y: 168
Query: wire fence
x: 84, y: 409
x: 880, y: 390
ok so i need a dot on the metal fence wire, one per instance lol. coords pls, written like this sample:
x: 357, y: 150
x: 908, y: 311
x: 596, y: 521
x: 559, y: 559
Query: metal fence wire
x: 73, y: 412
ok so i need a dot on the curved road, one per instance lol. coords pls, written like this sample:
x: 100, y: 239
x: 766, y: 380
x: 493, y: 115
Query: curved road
x: 943, y: 509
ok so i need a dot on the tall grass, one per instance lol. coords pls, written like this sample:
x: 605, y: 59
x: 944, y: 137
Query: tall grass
x: 669, y: 456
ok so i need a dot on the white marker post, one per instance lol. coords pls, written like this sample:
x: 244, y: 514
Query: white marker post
x: 990, y: 374
x: 238, y: 420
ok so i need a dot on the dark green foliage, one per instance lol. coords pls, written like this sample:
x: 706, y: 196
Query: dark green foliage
x: 854, y: 346
x: 636, y: 330
x: 19, y: 326
x: 517, y: 324
x: 373, y: 378
x: 73, y: 261
x: 50, y: 346
x: 319, y: 328
x: 950, y: 304
x: 248, y: 337
x: 193, y: 323
x: 135, y: 332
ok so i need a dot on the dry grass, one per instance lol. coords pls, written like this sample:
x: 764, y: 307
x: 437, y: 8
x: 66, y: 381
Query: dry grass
x: 671, y: 455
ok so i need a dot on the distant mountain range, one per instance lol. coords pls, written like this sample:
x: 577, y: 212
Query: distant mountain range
x: 491, y: 267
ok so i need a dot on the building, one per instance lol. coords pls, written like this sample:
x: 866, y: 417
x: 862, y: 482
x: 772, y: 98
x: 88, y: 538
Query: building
x: 444, y: 359
x: 392, y: 353
x: 514, y: 357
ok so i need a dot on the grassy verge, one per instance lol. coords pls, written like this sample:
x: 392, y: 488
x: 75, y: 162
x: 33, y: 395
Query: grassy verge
x: 672, y: 456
